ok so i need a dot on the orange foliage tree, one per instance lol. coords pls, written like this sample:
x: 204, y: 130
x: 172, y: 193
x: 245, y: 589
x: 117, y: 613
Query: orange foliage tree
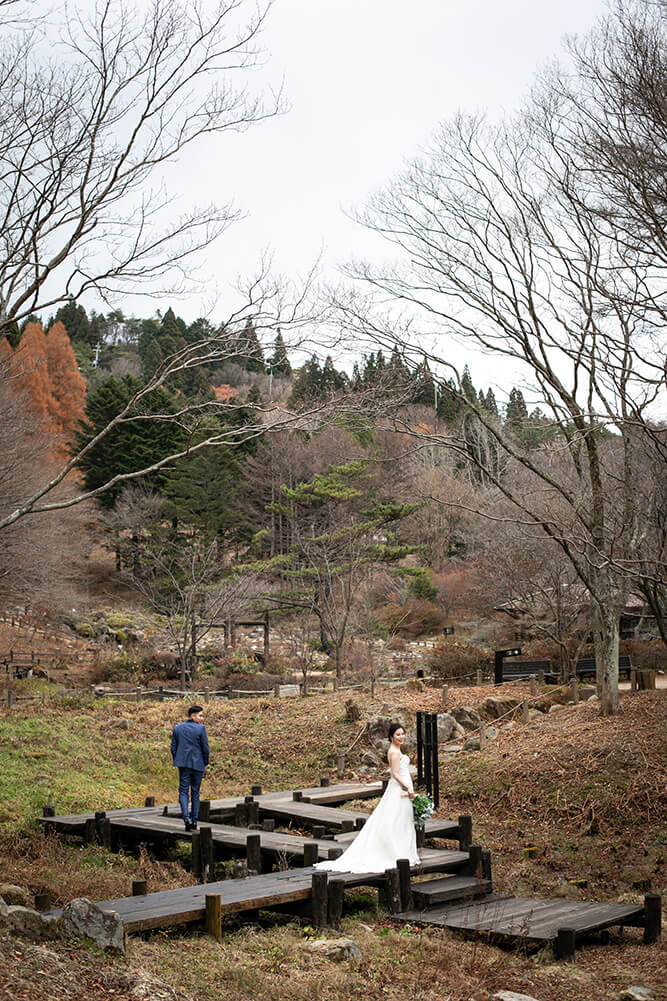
x: 33, y: 375
x: 67, y: 384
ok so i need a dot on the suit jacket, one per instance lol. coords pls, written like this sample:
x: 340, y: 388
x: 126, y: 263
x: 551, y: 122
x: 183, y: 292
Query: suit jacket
x: 189, y: 745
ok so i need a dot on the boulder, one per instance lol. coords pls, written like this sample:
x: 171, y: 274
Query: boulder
x: 370, y: 760
x: 378, y: 728
x: 556, y: 707
x: 338, y: 949
x: 28, y: 923
x: 466, y: 717
x: 12, y: 894
x: 637, y: 994
x: 496, y: 707
x: 381, y: 746
x: 472, y: 744
x: 448, y: 728
x: 105, y: 928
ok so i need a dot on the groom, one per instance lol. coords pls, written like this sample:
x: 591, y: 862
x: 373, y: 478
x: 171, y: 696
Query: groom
x: 189, y: 750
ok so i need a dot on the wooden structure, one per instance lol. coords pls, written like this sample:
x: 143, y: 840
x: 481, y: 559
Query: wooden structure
x: 230, y: 625
x: 427, y: 755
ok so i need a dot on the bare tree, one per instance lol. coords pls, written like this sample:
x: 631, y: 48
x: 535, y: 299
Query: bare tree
x: 92, y: 116
x: 500, y: 246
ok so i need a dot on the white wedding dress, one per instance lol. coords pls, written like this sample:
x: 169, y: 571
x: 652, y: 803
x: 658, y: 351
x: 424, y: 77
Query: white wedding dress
x: 387, y: 835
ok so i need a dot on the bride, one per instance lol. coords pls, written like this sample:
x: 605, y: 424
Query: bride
x: 389, y: 832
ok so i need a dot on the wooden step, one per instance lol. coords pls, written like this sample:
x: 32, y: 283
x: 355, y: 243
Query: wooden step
x: 439, y: 891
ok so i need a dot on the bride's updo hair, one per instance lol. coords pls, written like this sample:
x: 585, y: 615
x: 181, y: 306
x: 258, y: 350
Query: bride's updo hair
x: 393, y: 728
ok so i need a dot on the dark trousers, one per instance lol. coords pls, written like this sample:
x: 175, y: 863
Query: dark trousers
x: 189, y: 781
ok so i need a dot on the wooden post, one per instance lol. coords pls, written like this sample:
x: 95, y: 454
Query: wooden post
x: 633, y: 679
x: 195, y: 856
x: 575, y: 691
x: 474, y: 860
x: 340, y: 765
x: 207, y: 857
x: 533, y: 685
x: 42, y: 901
x: 48, y: 810
x: 372, y: 688
x: 566, y: 944
x: 525, y: 710
x: 420, y: 833
x: 445, y: 696
x: 482, y: 735
x: 297, y: 796
x: 276, y: 690
x: 139, y: 887
x: 268, y: 824
x: 347, y: 825
x: 479, y: 678
x: 652, y: 917
x: 10, y: 698
x: 241, y: 815
x: 214, y: 915
x: 540, y: 676
x: 465, y: 831
x: 403, y: 866
x: 324, y: 781
x: 486, y: 866
x: 90, y: 831
x: 392, y: 890
x: 256, y: 791
x: 334, y: 853
x: 204, y: 810
x: 253, y: 852
x: 253, y: 813
x: 310, y: 853
x: 149, y: 801
x: 335, y: 895
x: 318, y: 831
x: 266, y: 640
x: 104, y: 832
x: 319, y: 902
x: 359, y: 822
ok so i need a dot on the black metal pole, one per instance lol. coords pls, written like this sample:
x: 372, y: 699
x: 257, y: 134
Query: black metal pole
x: 428, y: 775
x: 498, y: 667
x: 420, y: 751
x: 436, y: 772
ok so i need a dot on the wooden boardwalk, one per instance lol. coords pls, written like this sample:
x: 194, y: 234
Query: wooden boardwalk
x: 188, y: 904
x: 537, y: 921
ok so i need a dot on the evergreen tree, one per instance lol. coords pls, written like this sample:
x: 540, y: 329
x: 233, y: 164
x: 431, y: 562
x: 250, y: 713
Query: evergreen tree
x: 254, y: 395
x: 424, y: 386
x: 75, y: 320
x: 516, y: 412
x: 450, y: 406
x: 490, y: 404
x: 279, y: 361
x: 307, y: 384
x: 466, y: 385
x: 67, y: 384
x: 251, y: 355
x: 130, y: 445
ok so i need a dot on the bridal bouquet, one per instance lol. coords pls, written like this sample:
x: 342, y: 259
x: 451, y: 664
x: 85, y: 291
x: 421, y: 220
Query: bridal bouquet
x: 422, y: 808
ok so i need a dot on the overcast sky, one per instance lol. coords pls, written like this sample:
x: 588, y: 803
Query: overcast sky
x: 367, y: 81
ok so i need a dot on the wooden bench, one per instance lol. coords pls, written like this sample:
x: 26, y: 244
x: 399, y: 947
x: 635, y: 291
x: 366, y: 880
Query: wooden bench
x: 519, y: 670
x: 587, y: 667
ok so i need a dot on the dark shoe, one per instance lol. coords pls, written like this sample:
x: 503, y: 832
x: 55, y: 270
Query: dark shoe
x: 188, y: 825
x: 193, y: 826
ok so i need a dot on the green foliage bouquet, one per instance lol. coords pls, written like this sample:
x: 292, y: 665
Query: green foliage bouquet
x: 422, y: 808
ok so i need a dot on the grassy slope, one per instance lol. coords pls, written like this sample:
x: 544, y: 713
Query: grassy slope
x: 584, y: 798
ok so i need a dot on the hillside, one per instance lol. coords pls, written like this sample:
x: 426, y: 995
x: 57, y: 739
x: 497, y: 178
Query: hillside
x: 564, y: 800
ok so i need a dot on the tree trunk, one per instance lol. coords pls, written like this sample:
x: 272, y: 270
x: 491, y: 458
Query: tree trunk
x: 605, y: 641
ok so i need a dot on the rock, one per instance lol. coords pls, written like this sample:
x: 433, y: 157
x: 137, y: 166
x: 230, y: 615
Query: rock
x: 367, y: 770
x: 471, y: 744
x: 28, y: 923
x: 451, y: 749
x: 533, y: 714
x: 498, y: 707
x: 381, y: 746
x: 338, y: 949
x: 287, y: 691
x: 122, y: 724
x: 12, y: 894
x: 43, y: 777
x: 448, y: 728
x: 636, y: 994
x: 593, y: 698
x: 491, y: 732
x: 104, y: 928
x: 415, y: 685
x: 378, y: 728
x: 513, y: 996
x: 370, y: 760
x: 466, y: 717
x: 556, y: 707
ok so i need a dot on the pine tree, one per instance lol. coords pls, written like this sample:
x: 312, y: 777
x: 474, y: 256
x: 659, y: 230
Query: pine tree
x: 467, y: 386
x: 279, y: 361
x: 67, y: 384
x: 490, y: 404
x: 251, y: 353
x: 516, y: 412
x: 75, y: 321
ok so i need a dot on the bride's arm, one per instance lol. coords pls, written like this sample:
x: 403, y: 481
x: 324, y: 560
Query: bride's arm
x: 394, y: 758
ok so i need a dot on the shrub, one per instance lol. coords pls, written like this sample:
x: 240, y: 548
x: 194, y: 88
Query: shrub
x: 85, y: 630
x: 421, y: 585
x: 115, y: 667
x: 414, y: 618
x: 457, y: 660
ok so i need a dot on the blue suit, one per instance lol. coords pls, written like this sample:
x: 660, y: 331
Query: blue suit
x: 190, y: 753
